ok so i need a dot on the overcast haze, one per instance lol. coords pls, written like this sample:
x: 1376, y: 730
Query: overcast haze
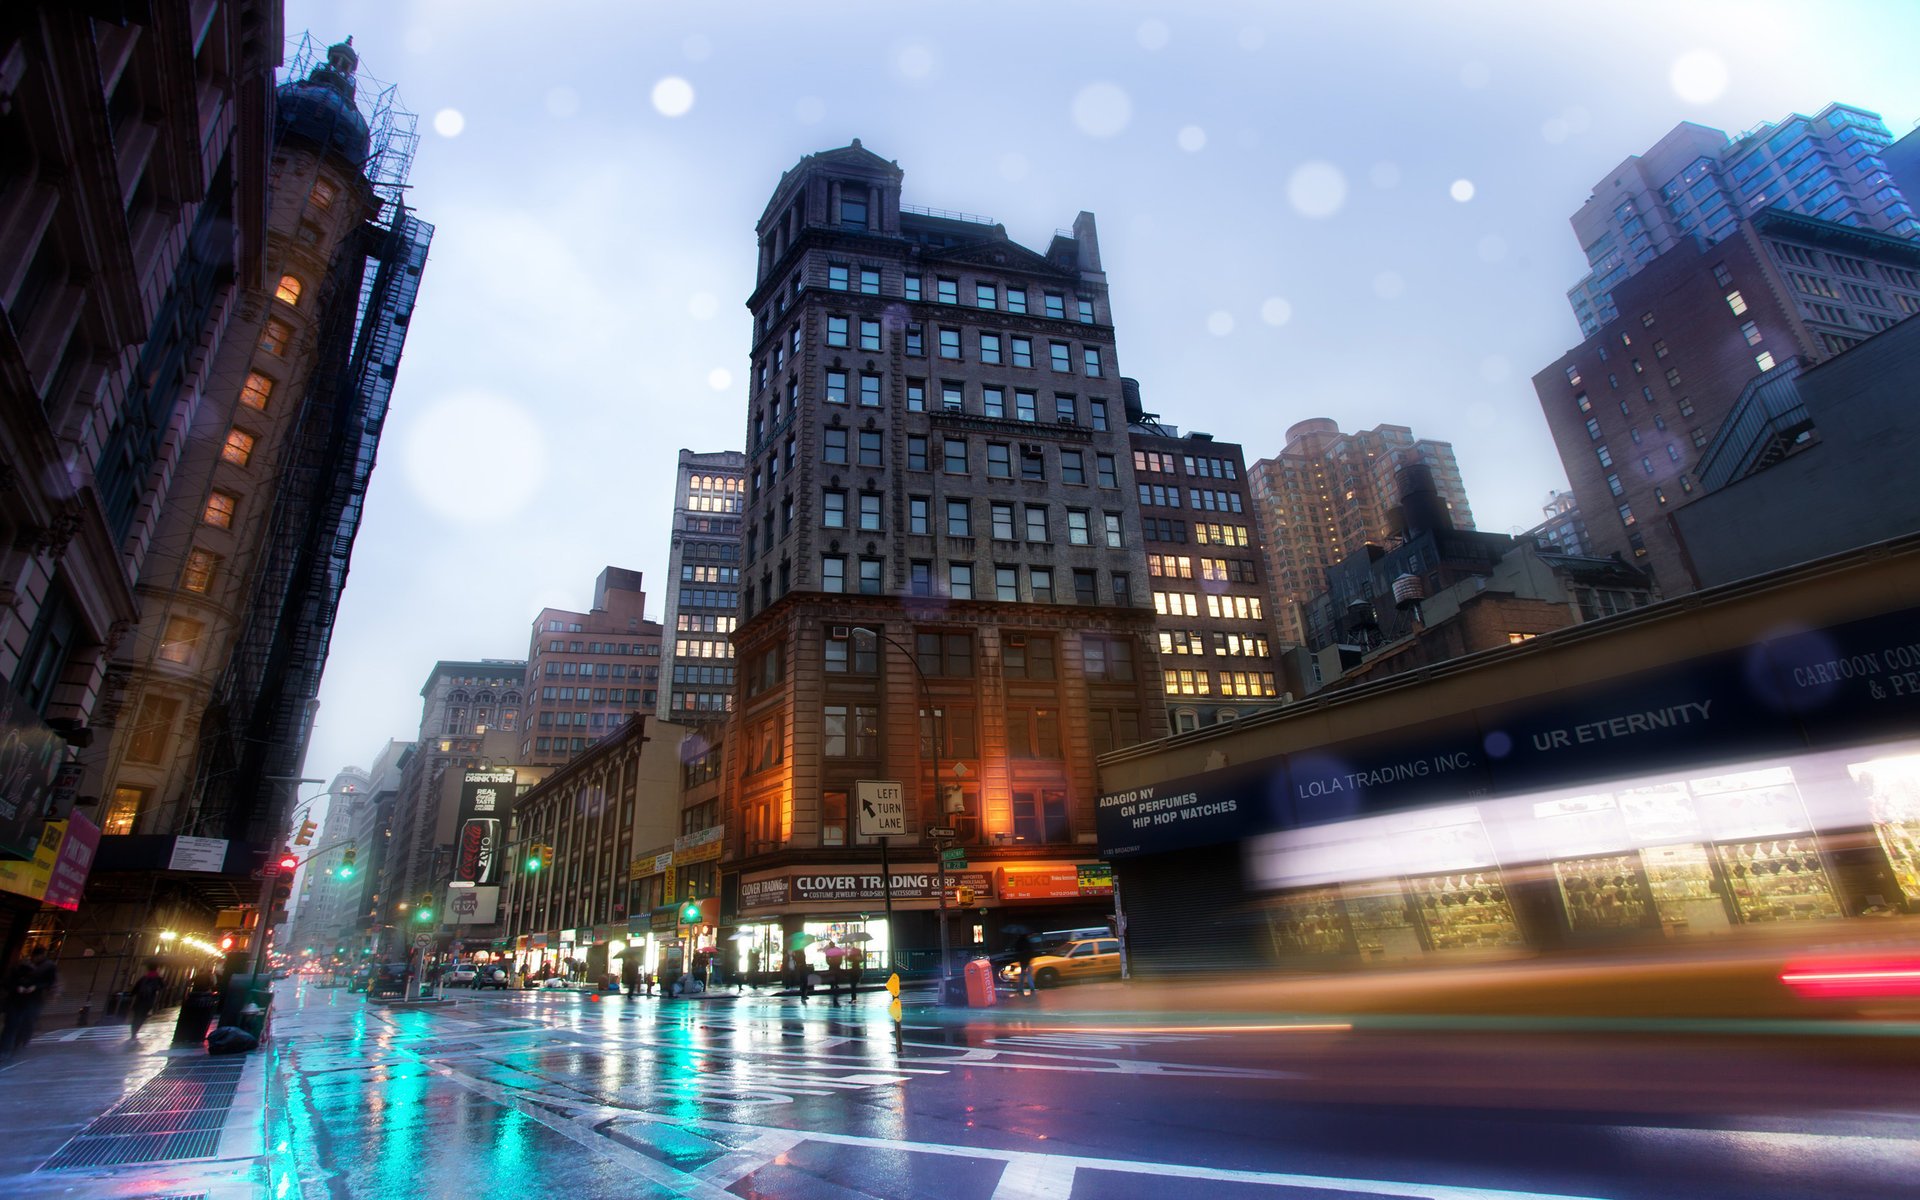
x: 1356, y: 211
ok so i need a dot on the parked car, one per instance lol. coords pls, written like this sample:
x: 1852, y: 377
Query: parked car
x: 458, y: 975
x: 388, y: 979
x: 358, y: 981
x: 492, y: 977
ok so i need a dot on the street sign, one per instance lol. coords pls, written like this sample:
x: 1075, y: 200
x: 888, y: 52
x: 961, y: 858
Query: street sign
x: 422, y: 940
x: 942, y: 831
x: 953, y: 864
x: 952, y: 854
x: 883, y: 807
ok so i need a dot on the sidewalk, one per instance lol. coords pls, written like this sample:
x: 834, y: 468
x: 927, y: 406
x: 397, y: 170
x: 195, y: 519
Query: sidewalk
x: 197, y: 1130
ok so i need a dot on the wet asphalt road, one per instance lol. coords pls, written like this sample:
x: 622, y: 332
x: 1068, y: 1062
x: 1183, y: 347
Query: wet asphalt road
x: 550, y: 1093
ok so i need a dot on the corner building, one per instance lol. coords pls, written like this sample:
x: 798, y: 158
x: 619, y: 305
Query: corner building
x: 944, y: 583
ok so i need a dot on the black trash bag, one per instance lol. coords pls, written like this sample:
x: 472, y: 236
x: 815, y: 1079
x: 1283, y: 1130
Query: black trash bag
x: 231, y: 1039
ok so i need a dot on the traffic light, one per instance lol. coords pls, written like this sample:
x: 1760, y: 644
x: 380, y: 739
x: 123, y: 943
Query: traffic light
x: 690, y: 913
x: 289, y: 863
x: 963, y: 896
x: 424, y: 913
x: 226, y: 943
x: 546, y: 858
x: 536, y: 857
x: 346, y: 863
x: 305, y: 837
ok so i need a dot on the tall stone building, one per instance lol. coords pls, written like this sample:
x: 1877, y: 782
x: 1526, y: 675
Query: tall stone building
x: 1327, y: 494
x: 1211, y: 599
x: 944, y: 582
x: 588, y: 671
x: 1634, y: 407
x: 703, y: 586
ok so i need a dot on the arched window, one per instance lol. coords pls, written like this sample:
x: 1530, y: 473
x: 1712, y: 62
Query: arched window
x: 289, y: 289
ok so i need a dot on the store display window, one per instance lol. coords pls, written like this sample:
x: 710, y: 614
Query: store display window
x: 1309, y: 923
x: 1779, y: 879
x: 1680, y: 878
x: 1382, y: 921
x: 1893, y: 805
x: 1604, y: 893
x: 1465, y: 911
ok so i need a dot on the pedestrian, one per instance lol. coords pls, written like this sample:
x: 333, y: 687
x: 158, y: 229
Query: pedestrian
x: 1025, y: 959
x: 146, y: 997
x: 28, y: 987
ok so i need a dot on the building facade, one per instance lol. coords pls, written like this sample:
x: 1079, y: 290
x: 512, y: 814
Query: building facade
x: 1212, y: 604
x: 703, y: 586
x: 1327, y: 494
x: 129, y: 228
x: 1697, y: 185
x: 1633, y: 407
x: 1563, y: 528
x: 325, y: 918
x: 588, y: 671
x: 470, y: 710
x: 944, y: 582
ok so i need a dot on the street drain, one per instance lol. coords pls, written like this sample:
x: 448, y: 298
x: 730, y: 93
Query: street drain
x: 84, y: 1151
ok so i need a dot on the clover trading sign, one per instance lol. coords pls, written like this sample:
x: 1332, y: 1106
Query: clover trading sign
x: 882, y: 808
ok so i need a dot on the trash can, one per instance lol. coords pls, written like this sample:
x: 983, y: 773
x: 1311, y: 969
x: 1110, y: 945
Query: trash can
x: 980, y: 983
x: 197, y: 1011
x: 954, y: 989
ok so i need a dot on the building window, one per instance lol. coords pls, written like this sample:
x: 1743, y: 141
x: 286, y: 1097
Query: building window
x: 256, y: 391
x: 833, y: 510
x: 1721, y: 276
x: 949, y: 291
x: 870, y: 282
x: 869, y: 447
x: 322, y: 195
x: 1079, y: 529
x: 837, y: 278
x: 1016, y: 300
x: 276, y: 336
x: 1104, y: 471
x: 916, y: 342
x: 1750, y: 330
x: 1036, y: 522
x: 1593, y: 428
x: 917, y: 514
x: 985, y: 296
x: 1626, y: 514
x: 870, y: 391
x: 1033, y: 463
x: 959, y: 518
x: 220, y: 509
x: 916, y: 395
x: 833, y: 573
x: 850, y: 731
x: 870, y: 576
x: 853, y: 210
x: 1022, y: 352
x: 960, y: 580
x: 916, y: 452
x: 910, y: 287
x: 151, y: 728
x: 1085, y: 587
x: 1040, y: 583
x: 1614, y: 485
x: 239, y: 447
x: 1737, y: 303
x: 289, y: 290
x: 945, y: 654
x: 197, y: 576
x: 994, y: 401
x: 952, y: 397
x: 990, y: 349
x: 1122, y: 588
x: 954, y: 455
x: 1604, y: 455
x: 1056, y: 306
x: 950, y: 343
x: 870, y: 335
x: 920, y: 578
x: 1026, y: 406
x: 123, y: 812
x: 1073, y: 467
x: 836, y: 387
x: 1006, y: 584
x: 1003, y: 522
x: 999, y: 460
x: 1060, y: 356
x: 1112, y: 524
x: 1673, y: 377
x: 178, y: 641
x: 1764, y: 360
x: 1098, y: 412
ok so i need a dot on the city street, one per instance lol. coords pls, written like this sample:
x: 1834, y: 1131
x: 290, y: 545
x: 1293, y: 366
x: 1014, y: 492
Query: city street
x: 556, y: 1093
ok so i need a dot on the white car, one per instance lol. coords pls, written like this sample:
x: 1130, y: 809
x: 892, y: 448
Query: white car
x: 458, y: 975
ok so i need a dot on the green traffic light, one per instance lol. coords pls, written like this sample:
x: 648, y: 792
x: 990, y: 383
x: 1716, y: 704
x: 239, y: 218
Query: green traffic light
x: 533, y: 862
x: 346, y: 872
x: 425, y: 914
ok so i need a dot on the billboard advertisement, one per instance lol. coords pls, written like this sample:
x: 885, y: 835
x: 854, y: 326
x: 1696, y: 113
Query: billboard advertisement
x: 479, y: 845
x: 30, y: 758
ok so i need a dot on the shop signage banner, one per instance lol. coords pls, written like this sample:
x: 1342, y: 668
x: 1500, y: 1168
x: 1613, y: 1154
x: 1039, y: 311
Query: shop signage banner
x: 1040, y: 883
x: 1417, y: 764
x: 764, y: 893
x: 473, y: 905
x: 1198, y: 810
x: 703, y: 846
x: 480, y: 839
x: 1096, y: 879
x: 30, y: 756
x: 1849, y: 683
x: 68, y: 879
x: 198, y: 854
x: 29, y: 877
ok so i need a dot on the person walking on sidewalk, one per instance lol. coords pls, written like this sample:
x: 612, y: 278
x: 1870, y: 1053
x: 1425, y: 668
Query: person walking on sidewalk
x: 28, y: 987
x: 146, y: 998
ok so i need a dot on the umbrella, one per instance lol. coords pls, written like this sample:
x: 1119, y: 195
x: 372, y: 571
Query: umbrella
x: 800, y: 940
x: 859, y: 937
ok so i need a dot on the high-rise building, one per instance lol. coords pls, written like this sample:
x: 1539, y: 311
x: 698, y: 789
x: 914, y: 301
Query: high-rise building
x: 130, y: 228
x: 1696, y: 184
x: 1562, y: 528
x: 1327, y: 494
x: 371, y: 836
x: 1633, y: 407
x: 588, y: 671
x: 703, y: 586
x: 944, y: 584
x: 470, y: 711
x: 1212, y: 604
x: 329, y: 887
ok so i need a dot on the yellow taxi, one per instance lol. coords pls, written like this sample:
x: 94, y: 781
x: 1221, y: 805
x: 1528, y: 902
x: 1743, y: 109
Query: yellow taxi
x: 1086, y: 958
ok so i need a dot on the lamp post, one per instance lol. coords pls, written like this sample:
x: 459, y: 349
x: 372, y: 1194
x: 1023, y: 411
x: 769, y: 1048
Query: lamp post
x: 935, y: 716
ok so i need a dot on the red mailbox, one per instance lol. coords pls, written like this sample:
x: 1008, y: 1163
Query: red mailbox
x: 980, y: 984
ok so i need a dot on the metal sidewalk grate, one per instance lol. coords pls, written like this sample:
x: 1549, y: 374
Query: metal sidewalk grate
x: 85, y: 1151
x: 177, y: 1114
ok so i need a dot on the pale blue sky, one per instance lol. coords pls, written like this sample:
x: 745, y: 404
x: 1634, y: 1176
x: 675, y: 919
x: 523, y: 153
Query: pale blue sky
x: 581, y: 318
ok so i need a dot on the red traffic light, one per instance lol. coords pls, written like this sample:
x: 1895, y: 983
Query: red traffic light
x: 226, y: 943
x: 289, y: 863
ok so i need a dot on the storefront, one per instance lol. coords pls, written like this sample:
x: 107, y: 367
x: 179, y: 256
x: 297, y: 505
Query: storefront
x: 1773, y: 782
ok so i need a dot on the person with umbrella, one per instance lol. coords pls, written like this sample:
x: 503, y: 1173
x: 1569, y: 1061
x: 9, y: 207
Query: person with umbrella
x: 1023, y: 949
x: 836, y: 956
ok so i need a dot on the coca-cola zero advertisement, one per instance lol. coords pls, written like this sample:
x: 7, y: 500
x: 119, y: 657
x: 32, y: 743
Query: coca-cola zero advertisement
x: 479, y: 843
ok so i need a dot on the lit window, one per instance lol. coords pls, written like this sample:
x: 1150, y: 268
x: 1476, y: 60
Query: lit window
x: 322, y: 195
x: 220, y: 509
x: 276, y: 336
x: 1736, y: 302
x: 124, y: 811
x: 256, y: 391
x: 181, y: 636
x: 239, y: 447
x: 289, y: 290
x: 198, y: 575
x: 1764, y: 360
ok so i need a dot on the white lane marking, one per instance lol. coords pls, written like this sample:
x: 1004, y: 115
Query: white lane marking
x: 574, y: 1130
x: 739, y: 1164
x: 1035, y: 1178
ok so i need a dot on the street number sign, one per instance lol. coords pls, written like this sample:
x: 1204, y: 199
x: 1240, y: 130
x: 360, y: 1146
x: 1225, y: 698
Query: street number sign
x: 883, y: 807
